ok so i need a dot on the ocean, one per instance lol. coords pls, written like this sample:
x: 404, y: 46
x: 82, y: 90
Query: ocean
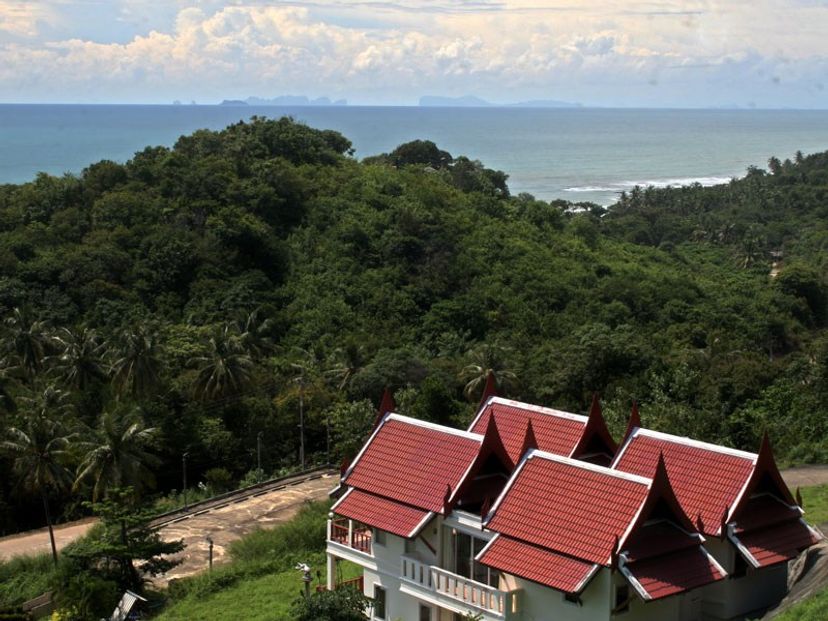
x: 573, y: 154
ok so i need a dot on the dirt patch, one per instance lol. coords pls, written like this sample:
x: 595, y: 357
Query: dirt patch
x: 35, y: 542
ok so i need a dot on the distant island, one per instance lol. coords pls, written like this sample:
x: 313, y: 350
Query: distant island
x: 285, y: 100
x: 470, y: 101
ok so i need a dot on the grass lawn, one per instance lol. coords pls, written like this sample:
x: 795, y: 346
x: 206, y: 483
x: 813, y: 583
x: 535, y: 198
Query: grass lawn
x: 260, y: 583
x: 814, y: 609
x: 815, y: 501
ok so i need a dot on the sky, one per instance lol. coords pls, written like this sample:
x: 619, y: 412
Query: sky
x: 657, y: 53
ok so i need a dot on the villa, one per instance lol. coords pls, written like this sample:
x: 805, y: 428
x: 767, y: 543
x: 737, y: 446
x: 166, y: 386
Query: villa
x: 537, y: 514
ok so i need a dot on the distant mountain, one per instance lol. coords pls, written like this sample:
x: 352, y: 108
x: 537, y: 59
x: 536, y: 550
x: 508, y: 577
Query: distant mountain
x: 295, y: 100
x: 233, y: 102
x: 470, y: 101
x: 467, y: 101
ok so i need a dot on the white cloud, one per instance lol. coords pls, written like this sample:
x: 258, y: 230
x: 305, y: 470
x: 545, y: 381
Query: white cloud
x: 396, y: 50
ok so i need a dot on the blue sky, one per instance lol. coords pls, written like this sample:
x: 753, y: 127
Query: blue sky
x: 762, y: 53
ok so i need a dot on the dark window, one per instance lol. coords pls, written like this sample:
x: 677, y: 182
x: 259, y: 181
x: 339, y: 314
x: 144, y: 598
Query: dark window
x: 379, y: 536
x: 622, y: 598
x: 379, y: 602
x: 739, y: 567
x: 572, y: 598
x: 410, y: 546
x: 425, y: 613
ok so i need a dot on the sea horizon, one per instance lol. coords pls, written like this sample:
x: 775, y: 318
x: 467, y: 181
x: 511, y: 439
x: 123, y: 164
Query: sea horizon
x: 580, y: 154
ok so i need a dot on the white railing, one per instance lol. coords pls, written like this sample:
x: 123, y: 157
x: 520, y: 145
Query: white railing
x: 502, y: 604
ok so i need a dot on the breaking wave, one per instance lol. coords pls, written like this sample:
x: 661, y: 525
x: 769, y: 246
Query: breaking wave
x: 658, y: 183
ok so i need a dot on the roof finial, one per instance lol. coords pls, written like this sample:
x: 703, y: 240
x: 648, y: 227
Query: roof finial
x: 530, y: 442
x: 614, y: 554
x: 490, y: 389
x: 799, y: 498
x: 633, y: 424
x: 386, y: 405
x: 446, y: 499
x: 343, y: 467
x: 699, y: 523
x: 493, y: 444
x: 723, y: 525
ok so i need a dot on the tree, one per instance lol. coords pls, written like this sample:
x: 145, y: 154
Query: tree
x: 254, y: 334
x: 27, y: 339
x: 118, y: 456
x: 136, y: 368
x: 226, y: 367
x: 40, y: 452
x: 484, y: 360
x: 80, y: 357
x: 110, y: 554
x: 346, y: 362
x: 344, y: 604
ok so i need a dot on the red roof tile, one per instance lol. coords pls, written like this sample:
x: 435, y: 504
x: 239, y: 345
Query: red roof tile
x: 705, y: 480
x: 568, y: 507
x: 533, y: 563
x: 556, y: 432
x: 776, y: 544
x: 674, y: 573
x: 381, y: 513
x: 412, y: 462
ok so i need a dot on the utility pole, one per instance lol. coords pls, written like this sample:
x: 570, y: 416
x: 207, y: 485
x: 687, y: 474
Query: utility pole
x: 184, y: 476
x: 302, y: 420
x: 259, y: 457
x: 210, y: 557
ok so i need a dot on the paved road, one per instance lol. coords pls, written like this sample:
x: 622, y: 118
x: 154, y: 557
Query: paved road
x: 229, y: 523
x: 268, y: 509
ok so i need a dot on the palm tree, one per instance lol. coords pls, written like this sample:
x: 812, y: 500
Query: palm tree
x: 7, y: 379
x: 253, y: 333
x: 27, y: 340
x: 484, y: 360
x: 40, y: 452
x: 226, y: 367
x: 118, y: 455
x: 80, y: 357
x: 346, y: 362
x: 50, y: 402
x: 137, y: 362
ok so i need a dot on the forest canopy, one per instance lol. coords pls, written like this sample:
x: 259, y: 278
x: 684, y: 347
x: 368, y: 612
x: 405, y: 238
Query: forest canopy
x: 201, y: 295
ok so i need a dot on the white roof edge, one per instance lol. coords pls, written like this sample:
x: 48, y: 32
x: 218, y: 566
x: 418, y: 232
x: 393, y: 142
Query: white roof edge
x: 421, y: 525
x: 622, y: 567
x: 487, y: 546
x: 540, y: 409
x: 523, y: 460
x: 434, y: 426
x: 480, y: 410
x: 584, y: 465
x: 587, y: 578
x: 685, y: 441
x: 341, y: 500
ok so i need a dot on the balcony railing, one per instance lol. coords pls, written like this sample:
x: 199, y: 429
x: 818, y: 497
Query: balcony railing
x: 501, y: 604
x: 349, y: 533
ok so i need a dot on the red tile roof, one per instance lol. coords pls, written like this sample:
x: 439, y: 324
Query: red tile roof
x: 413, y: 462
x: 568, y: 506
x: 382, y: 513
x: 762, y: 511
x: 775, y: 544
x: 533, y: 563
x: 706, y: 479
x: 668, y: 574
x: 555, y: 431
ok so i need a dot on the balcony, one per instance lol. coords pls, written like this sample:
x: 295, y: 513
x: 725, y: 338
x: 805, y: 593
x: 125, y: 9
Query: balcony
x: 351, y: 534
x: 445, y: 588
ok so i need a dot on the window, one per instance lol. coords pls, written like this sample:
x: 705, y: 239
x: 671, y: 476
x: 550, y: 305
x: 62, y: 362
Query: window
x: 410, y: 546
x: 572, y: 598
x: 465, y: 548
x: 622, y: 598
x: 425, y: 613
x: 379, y: 536
x: 739, y: 567
x: 379, y: 602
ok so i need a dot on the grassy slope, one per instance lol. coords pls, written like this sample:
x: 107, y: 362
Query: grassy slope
x: 815, y: 500
x: 23, y: 578
x: 814, y: 609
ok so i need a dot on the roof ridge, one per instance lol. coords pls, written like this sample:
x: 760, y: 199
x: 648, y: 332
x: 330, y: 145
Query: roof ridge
x: 540, y: 409
x: 585, y: 465
x: 700, y: 444
x: 433, y: 426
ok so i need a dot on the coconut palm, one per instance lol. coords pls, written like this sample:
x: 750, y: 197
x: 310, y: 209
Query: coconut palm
x: 27, y: 340
x: 79, y: 361
x: 225, y: 368
x: 39, y: 451
x: 346, y: 362
x: 48, y: 402
x: 7, y: 379
x: 117, y: 457
x: 136, y: 368
x: 253, y: 333
x: 486, y: 359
